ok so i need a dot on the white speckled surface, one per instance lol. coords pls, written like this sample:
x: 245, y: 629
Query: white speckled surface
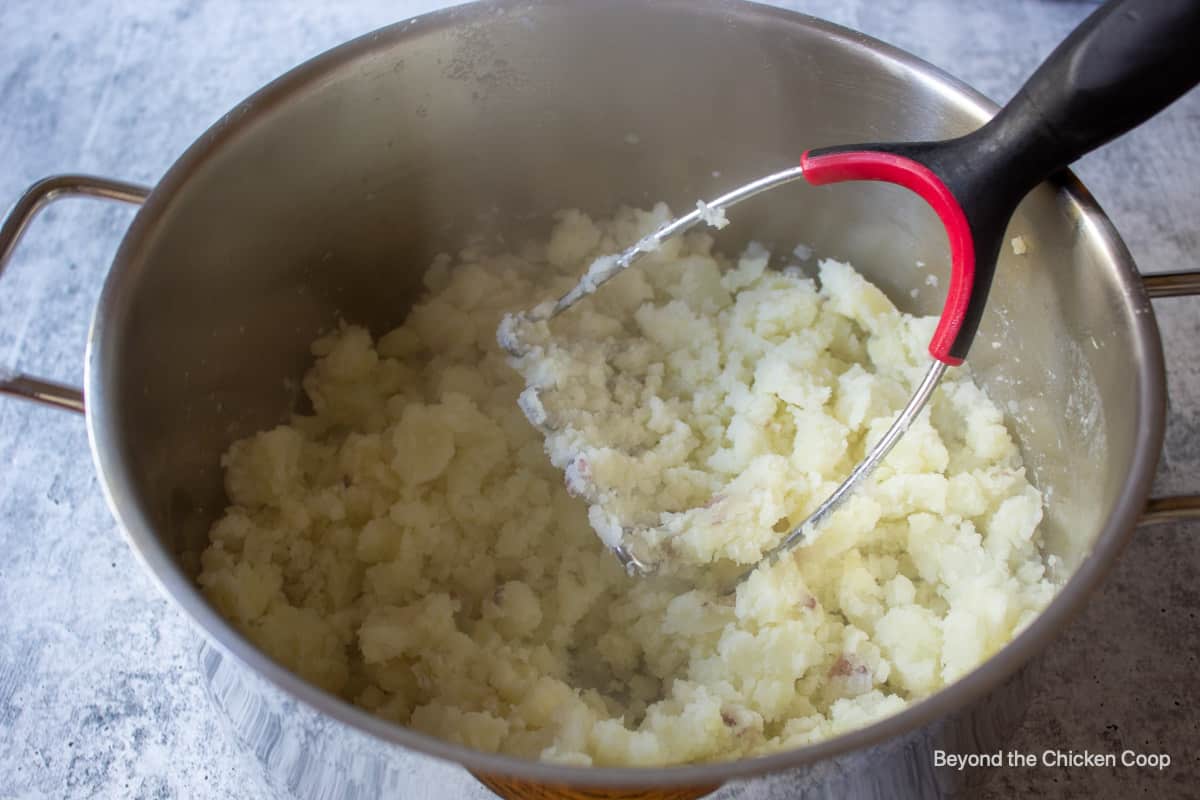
x: 100, y: 695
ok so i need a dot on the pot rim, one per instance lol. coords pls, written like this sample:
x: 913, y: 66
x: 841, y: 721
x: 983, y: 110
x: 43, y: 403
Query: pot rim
x: 161, y: 564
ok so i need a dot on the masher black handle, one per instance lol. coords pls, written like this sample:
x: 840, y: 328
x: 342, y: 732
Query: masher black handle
x: 1126, y: 62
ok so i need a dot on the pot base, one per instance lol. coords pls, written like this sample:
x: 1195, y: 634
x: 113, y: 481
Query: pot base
x: 513, y: 789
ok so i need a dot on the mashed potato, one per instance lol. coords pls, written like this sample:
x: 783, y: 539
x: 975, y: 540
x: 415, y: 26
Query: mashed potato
x: 410, y: 547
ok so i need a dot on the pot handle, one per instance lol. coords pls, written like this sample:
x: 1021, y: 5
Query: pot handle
x: 35, y: 198
x: 1180, y: 508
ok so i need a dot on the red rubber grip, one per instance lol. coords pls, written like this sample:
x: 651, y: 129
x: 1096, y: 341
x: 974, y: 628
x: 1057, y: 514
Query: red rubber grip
x: 866, y: 165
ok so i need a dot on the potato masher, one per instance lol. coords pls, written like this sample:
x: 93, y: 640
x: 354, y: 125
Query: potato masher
x: 1126, y: 62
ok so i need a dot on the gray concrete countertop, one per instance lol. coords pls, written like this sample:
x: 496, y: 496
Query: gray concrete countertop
x: 100, y: 694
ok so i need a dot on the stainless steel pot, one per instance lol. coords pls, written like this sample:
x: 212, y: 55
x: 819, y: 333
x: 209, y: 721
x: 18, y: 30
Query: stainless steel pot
x: 328, y: 192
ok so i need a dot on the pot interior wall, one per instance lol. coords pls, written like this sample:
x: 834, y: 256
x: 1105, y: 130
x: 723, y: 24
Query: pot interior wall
x: 329, y: 203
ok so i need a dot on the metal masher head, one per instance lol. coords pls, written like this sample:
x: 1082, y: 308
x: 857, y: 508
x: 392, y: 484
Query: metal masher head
x: 512, y: 338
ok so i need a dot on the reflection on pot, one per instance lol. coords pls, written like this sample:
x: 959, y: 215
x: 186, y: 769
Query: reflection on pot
x: 307, y: 755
